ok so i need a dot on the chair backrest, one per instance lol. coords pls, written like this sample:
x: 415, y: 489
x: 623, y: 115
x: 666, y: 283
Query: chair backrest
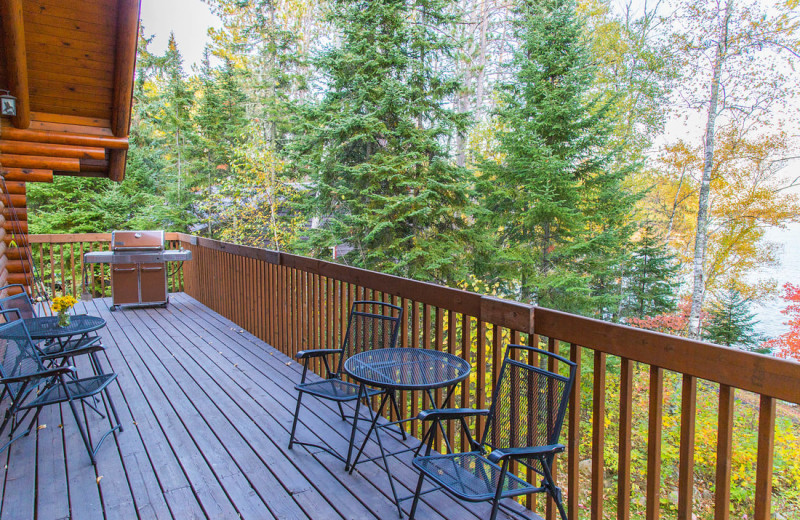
x: 18, y: 356
x: 529, y: 401
x: 20, y: 302
x: 372, y: 325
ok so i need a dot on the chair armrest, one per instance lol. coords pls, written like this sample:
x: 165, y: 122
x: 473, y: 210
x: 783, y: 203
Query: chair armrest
x: 307, y: 354
x: 449, y: 413
x: 532, y: 451
x: 87, y: 349
x: 38, y: 375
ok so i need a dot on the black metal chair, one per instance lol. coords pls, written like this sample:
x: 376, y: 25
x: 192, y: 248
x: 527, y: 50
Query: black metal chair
x: 22, y: 303
x: 371, y: 325
x: 523, y: 425
x: 32, y: 386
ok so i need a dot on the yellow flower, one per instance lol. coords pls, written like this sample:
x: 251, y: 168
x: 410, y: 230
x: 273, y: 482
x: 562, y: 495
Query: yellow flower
x: 63, y: 303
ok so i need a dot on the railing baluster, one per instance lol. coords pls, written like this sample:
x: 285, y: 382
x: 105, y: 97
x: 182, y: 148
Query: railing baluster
x: 480, y: 381
x: 452, y: 343
x: 625, y: 439
x: 686, y: 464
x: 598, y: 433
x: 466, y: 387
x: 52, y: 273
x: 552, y: 366
x: 722, y: 493
x: 72, y: 268
x: 656, y: 411
x: 573, y: 438
x: 766, y: 447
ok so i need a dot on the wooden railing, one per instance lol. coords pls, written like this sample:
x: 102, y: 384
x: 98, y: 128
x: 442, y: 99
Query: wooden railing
x: 58, y: 263
x: 293, y: 303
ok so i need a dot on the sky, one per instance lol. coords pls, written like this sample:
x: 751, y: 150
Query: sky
x: 189, y: 19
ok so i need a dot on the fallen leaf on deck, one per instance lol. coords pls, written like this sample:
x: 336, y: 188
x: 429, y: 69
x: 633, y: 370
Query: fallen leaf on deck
x: 288, y: 363
x: 99, y: 478
x: 42, y: 427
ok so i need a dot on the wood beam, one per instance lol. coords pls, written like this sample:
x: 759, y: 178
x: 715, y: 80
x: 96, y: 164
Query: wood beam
x: 124, y: 64
x: 13, y: 28
x: 12, y: 201
x: 15, y: 187
x: 116, y: 167
x: 51, y: 150
x: 27, y: 174
x: 39, y: 162
x: 45, y: 136
x: 14, y: 213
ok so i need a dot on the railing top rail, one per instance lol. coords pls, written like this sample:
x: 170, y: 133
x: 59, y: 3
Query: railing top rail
x: 67, y: 238
x: 749, y: 371
x: 514, y: 315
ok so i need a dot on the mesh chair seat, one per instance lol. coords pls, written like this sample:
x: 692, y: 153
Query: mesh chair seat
x: 334, y: 389
x: 470, y: 476
x: 79, y: 388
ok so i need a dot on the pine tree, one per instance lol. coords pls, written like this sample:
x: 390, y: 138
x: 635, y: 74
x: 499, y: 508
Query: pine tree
x: 651, y: 278
x: 173, y: 118
x: 555, y: 199
x: 373, y: 147
x: 731, y: 323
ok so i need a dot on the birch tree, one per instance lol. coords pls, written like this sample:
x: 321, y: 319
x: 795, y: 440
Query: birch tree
x: 738, y: 61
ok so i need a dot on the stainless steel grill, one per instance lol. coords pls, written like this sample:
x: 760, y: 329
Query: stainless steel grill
x: 138, y: 267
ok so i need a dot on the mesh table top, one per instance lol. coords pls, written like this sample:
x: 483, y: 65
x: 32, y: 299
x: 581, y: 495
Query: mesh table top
x: 47, y: 327
x: 406, y: 368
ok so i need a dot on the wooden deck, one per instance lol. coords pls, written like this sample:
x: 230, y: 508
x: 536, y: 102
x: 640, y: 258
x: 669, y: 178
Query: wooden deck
x: 206, y: 409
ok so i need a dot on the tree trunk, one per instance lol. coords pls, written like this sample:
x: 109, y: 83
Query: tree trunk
x: 701, y: 237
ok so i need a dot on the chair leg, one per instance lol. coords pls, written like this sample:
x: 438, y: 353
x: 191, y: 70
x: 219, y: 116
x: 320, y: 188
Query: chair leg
x: 113, y: 409
x: 294, y: 421
x: 341, y: 410
x: 554, y: 490
x: 499, y: 493
x: 83, y: 431
x: 416, y: 496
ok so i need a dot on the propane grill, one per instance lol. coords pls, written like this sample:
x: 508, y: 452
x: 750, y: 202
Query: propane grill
x: 138, y: 267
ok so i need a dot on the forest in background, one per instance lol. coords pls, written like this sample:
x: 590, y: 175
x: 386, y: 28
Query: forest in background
x: 512, y: 148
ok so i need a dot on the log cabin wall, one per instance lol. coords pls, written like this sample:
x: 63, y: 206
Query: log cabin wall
x: 71, y: 67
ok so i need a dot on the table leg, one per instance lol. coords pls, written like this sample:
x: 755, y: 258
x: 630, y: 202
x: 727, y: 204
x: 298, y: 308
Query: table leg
x: 372, y: 427
x: 375, y: 417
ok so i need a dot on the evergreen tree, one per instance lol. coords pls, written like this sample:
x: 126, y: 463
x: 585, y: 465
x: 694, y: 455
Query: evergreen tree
x: 731, y: 323
x: 554, y: 196
x: 651, y: 278
x: 177, y: 136
x: 373, y: 147
x: 221, y: 124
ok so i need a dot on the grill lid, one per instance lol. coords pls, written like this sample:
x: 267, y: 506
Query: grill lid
x: 127, y: 240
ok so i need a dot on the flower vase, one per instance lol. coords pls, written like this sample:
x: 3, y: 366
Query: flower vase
x: 63, y: 319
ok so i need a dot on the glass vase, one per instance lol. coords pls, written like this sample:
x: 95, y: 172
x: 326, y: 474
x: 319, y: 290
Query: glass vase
x: 63, y: 319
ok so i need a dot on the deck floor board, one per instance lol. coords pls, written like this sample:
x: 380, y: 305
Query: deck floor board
x: 206, y: 409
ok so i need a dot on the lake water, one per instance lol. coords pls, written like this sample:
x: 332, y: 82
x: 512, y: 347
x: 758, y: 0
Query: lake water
x: 771, y: 321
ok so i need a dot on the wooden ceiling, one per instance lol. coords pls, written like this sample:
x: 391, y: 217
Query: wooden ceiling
x: 70, y: 64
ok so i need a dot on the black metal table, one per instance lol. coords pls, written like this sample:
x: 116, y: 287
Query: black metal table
x: 47, y: 327
x: 401, y: 369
